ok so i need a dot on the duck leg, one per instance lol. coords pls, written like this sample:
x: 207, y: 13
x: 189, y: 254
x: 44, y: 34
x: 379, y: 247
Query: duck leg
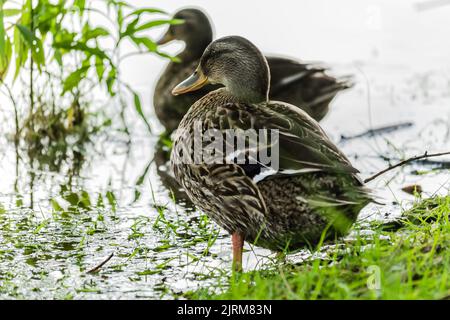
x: 238, y: 243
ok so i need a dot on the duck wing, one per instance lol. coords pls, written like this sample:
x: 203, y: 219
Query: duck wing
x: 305, y: 85
x: 301, y: 146
x: 284, y: 72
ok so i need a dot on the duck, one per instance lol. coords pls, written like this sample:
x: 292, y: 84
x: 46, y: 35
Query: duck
x: 295, y: 82
x: 311, y: 192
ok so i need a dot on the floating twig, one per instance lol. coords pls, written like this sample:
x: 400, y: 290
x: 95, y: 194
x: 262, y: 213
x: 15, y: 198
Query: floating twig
x: 401, y: 163
x: 97, y: 268
x: 381, y: 130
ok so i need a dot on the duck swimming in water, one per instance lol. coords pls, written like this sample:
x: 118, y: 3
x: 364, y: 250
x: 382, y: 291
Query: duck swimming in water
x: 301, y: 84
x: 313, y: 192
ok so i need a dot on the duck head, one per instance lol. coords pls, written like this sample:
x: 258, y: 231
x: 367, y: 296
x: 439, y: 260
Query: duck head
x: 196, y: 31
x: 235, y: 63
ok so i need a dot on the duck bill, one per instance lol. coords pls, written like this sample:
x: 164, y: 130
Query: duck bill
x: 167, y: 37
x: 196, y: 81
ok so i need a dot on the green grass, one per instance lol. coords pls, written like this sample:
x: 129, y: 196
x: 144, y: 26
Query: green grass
x: 406, y: 260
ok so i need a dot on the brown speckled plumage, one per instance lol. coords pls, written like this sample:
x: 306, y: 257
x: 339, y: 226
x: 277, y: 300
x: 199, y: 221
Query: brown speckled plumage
x: 284, y: 210
x: 311, y: 193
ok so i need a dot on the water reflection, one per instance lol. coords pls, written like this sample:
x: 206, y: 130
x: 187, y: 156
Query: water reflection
x: 82, y: 213
x: 43, y: 162
x: 162, y: 159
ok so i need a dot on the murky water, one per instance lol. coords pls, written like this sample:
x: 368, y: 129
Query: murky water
x: 77, y: 222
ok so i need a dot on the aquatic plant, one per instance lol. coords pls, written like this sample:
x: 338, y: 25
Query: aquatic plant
x: 54, y: 55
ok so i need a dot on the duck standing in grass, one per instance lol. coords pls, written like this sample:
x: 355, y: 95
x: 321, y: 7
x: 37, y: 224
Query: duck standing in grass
x: 313, y: 195
x: 300, y: 84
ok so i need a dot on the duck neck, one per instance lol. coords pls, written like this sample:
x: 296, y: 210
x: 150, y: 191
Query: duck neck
x: 195, y: 46
x: 250, y: 86
x: 251, y: 92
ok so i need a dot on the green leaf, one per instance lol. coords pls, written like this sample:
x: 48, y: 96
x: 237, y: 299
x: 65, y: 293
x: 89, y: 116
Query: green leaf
x: 6, y: 59
x: 19, y: 202
x: 11, y: 12
x: 25, y: 19
x: 2, y: 33
x: 46, y: 17
x: 138, y: 107
x: 42, y: 225
x: 26, y: 33
x: 99, y: 203
x: 56, y: 206
x: 80, y: 46
x: 20, y: 52
x: 95, y: 33
x: 148, y: 272
x: 130, y: 28
x: 139, y: 182
x: 138, y: 12
x: 152, y: 47
x: 149, y: 44
x: 37, y: 49
x: 167, y: 56
x: 100, y: 68
x: 72, y: 198
x: 58, y: 57
x: 64, y: 37
x: 110, y: 80
x: 80, y: 4
x: 118, y: 3
x: 38, y: 53
x: 74, y: 78
x: 85, y: 199
x: 111, y: 200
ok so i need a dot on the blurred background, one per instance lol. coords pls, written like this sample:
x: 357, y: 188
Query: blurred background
x: 80, y: 183
x: 403, y: 33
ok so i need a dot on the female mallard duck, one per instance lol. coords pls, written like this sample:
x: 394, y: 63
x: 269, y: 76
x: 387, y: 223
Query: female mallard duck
x: 314, y: 191
x: 298, y: 83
